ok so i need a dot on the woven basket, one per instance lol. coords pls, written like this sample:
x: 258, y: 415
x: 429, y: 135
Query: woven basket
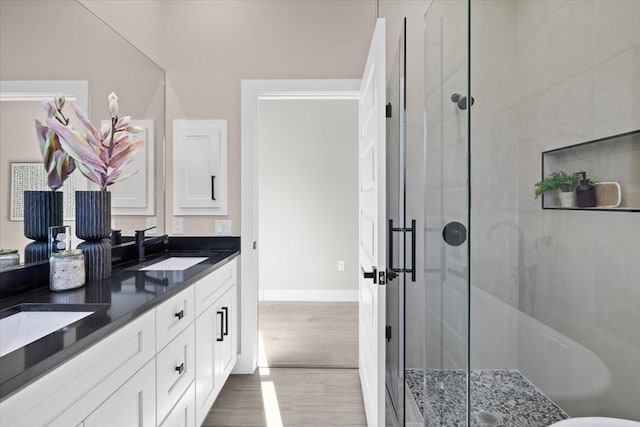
x: 608, y: 194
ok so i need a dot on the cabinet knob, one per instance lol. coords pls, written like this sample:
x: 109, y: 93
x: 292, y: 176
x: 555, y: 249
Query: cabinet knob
x: 180, y: 368
x: 179, y: 314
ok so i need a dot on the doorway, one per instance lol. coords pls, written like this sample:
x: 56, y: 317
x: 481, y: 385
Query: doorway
x: 308, y: 231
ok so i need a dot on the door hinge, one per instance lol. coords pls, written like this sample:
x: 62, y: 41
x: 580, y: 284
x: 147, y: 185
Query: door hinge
x: 387, y: 333
x: 388, y: 112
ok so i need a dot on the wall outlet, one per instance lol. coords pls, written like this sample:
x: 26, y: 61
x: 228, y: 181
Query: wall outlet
x: 152, y: 221
x: 178, y: 225
x: 222, y: 227
x: 341, y: 265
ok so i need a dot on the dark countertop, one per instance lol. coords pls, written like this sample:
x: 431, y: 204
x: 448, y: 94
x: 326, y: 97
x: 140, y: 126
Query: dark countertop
x: 127, y: 294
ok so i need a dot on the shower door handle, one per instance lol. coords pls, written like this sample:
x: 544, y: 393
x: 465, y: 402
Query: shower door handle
x: 394, y: 271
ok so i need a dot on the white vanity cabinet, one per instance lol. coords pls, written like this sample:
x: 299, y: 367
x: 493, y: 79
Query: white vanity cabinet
x: 199, y: 167
x: 216, y: 336
x: 164, y: 368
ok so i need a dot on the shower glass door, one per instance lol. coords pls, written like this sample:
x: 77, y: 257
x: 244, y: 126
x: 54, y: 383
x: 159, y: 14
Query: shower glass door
x: 444, y: 400
x: 396, y: 177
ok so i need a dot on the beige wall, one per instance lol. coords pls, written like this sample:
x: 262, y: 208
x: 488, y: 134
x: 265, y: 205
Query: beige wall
x: 83, y: 50
x: 207, y: 47
x: 308, y: 217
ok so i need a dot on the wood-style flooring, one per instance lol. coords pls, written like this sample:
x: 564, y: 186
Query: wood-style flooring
x: 316, y: 382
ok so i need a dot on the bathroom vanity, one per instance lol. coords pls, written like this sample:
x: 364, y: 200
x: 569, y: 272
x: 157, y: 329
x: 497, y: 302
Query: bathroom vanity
x: 156, y: 349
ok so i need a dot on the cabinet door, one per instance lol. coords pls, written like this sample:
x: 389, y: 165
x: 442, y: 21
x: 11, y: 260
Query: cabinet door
x: 226, y: 356
x: 133, y: 404
x: 207, y: 332
x: 199, y: 167
x: 183, y: 414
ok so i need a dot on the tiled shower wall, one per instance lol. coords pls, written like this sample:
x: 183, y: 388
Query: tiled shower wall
x: 555, y: 294
x: 578, y: 80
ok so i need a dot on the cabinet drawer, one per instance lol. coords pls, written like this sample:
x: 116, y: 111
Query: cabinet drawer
x: 65, y: 396
x: 183, y: 414
x: 175, y: 366
x: 211, y: 287
x: 173, y: 316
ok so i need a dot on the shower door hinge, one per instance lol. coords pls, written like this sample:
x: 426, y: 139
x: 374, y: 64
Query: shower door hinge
x: 388, y: 115
x: 387, y: 333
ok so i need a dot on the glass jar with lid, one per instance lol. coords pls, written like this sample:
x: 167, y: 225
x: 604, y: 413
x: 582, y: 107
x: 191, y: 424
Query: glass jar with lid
x: 9, y: 258
x: 67, y: 270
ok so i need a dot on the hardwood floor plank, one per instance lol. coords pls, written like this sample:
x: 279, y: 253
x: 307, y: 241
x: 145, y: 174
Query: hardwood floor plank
x: 301, y: 337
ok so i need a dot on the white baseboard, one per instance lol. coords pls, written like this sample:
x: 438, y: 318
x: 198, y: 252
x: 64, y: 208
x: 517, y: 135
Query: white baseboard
x: 318, y: 295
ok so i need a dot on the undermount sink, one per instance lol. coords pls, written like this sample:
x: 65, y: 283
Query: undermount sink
x: 174, y: 263
x: 26, y: 327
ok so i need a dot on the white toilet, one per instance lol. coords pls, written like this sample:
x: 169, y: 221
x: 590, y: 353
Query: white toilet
x: 596, y: 422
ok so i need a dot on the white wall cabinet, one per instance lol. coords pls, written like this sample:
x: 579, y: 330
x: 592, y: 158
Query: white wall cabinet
x: 164, y: 368
x: 199, y: 167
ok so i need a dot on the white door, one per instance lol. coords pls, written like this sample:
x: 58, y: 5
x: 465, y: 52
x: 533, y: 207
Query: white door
x: 372, y: 229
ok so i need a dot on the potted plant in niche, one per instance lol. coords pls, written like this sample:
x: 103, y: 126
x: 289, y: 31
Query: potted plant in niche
x: 561, y: 182
x: 44, y: 209
x: 100, y: 156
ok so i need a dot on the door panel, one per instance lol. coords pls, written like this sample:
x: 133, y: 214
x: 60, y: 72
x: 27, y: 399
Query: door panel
x: 372, y: 204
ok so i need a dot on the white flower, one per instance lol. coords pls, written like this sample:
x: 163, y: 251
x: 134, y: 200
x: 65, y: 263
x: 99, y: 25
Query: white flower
x: 59, y: 101
x: 113, y: 104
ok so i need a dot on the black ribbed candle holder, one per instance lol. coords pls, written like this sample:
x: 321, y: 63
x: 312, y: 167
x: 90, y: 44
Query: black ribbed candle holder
x: 93, y: 225
x: 42, y: 209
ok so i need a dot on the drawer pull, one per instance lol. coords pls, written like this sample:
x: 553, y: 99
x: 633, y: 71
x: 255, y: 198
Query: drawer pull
x: 180, y: 368
x: 226, y: 321
x: 179, y: 314
x: 221, y: 326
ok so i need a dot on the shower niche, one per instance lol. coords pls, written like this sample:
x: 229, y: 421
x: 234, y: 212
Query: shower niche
x: 612, y: 163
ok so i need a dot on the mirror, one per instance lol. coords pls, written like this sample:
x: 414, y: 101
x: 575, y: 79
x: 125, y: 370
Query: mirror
x: 61, y: 47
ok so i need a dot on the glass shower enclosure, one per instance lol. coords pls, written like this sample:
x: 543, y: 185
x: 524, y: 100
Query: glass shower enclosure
x: 523, y: 312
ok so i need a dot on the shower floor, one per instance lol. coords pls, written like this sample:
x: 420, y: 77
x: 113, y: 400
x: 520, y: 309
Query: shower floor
x: 499, y: 398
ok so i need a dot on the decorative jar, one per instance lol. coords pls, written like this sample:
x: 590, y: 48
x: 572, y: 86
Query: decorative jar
x: 66, y: 270
x: 9, y: 258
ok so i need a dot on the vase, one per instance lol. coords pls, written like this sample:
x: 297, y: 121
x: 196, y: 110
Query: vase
x: 567, y: 199
x: 93, y: 225
x: 42, y: 209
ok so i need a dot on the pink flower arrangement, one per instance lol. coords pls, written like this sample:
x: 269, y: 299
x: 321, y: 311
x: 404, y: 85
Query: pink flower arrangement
x: 57, y: 162
x: 99, y: 155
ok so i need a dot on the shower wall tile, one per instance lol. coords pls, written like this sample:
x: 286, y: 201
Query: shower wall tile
x: 615, y: 27
x: 531, y: 14
x: 415, y: 85
x: 617, y: 110
x: 551, y: 54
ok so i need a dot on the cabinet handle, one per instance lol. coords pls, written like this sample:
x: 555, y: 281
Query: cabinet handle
x: 179, y: 314
x: 226, y: 320
x: 180, y: 368
x: 213, y: 187
x: 221, y: 313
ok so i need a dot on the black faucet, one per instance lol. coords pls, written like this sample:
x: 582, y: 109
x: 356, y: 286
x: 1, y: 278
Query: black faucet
x: 141, y: 242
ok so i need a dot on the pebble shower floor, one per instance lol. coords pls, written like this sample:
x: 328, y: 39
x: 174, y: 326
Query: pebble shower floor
x: 498, y: 398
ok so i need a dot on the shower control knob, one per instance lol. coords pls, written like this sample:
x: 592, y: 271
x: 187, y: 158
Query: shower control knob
x: 454, y: 233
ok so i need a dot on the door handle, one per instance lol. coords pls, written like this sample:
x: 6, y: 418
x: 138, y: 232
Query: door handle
x: 226, y: 321
x: 179, y: 314
x: 221, y: 313
x: 412, y: 230
x: 370, y: 274
x: 213, y: 187
x: 180, y: 368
